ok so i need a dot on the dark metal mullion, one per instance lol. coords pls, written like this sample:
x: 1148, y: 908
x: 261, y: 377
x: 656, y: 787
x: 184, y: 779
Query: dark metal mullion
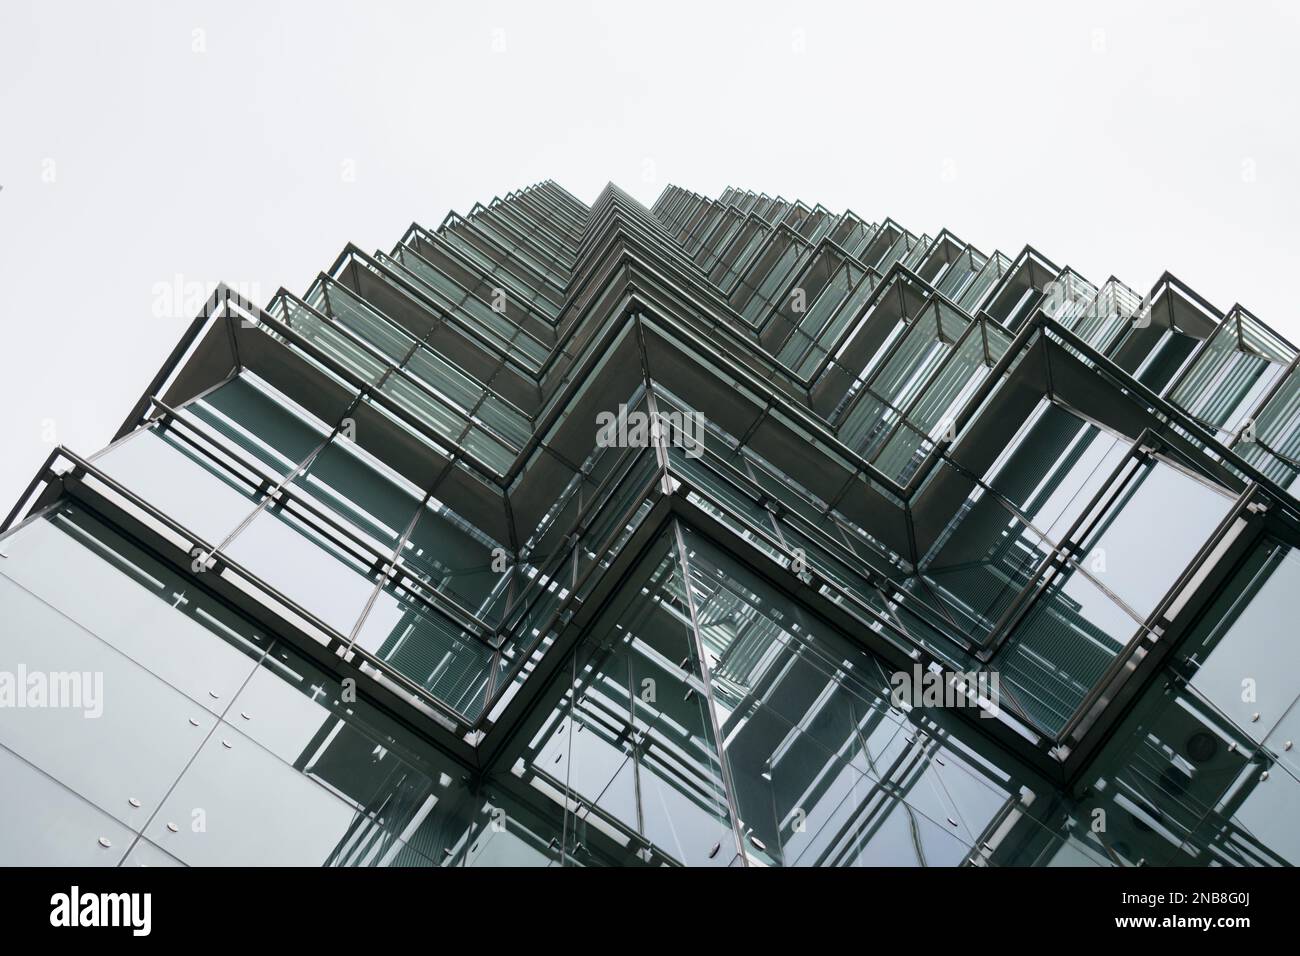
x: 697, y: 648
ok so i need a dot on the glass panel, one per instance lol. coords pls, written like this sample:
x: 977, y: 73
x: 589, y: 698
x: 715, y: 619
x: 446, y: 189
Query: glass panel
x: 335, y: 343
x: 238, y: 804
x: 394, y: 801
x: 447, y: 553
x: 983, y: 559
x: 135, y: 603
x: 509, y: 833
x: 302, y: 565
x: 1183, y: 787
x: 1054, y: 467
x: 89, y: 717
x: 627, y: 734
x: 1245, y: 664
x: 1264, y: 810
x: 443, y: 420
x: 444, y: 379
x: 1275, y: 447
x: 187, y: 488
x: 358, y: 316
x: 1121, y: 554
x: 826, y: 770
x: 1062, y: 647
x: 359, y: 490
x: 1232, y: 371
x: 47, y: 824
x: 260, y: 421
x: 429, y: 648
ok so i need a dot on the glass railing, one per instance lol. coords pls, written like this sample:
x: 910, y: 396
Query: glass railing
x: 1231, y: 373
x: 477, y: 314
x: 323, y: 537
x: 349, y: 310
x: 497, y: 275
x: 1273, y: 443
x: 988, y: 275
x: 430, y: 406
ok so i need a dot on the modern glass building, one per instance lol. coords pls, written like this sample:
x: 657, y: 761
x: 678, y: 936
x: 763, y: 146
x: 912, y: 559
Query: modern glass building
x: 367, y: 579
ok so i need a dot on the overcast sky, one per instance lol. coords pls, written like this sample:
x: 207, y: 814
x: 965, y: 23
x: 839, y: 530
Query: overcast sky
x: 146, y: 148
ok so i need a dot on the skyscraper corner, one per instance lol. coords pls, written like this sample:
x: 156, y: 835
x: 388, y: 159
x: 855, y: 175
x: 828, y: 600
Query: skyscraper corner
x: 726, y: 532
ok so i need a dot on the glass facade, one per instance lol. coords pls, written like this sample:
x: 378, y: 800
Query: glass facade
x: 728, y: 532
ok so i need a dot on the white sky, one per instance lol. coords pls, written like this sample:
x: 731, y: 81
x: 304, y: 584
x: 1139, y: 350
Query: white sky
x: 1118, y: 138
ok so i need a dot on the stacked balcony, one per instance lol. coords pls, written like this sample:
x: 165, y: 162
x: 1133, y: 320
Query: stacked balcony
x: 914, y: 454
